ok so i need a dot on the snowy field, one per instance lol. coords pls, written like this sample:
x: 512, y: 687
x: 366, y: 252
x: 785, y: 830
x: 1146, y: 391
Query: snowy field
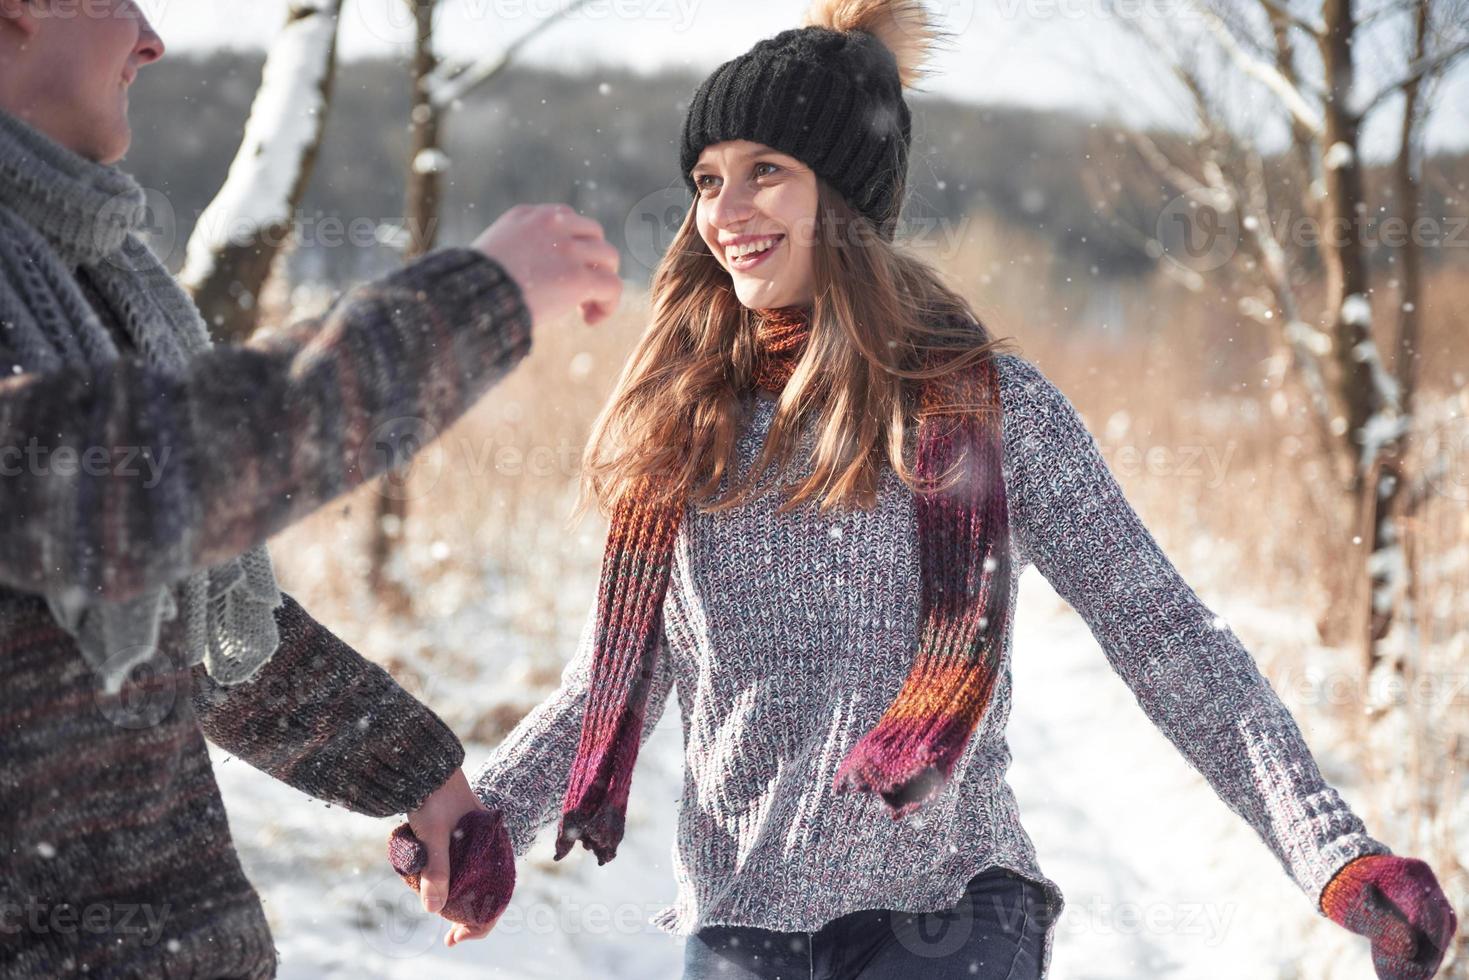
x: 1161, y: 879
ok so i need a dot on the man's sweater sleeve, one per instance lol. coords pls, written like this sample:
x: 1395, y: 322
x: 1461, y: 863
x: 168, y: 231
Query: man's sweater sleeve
x: 120, y: 480
x: 322, y: 718
x: 526, y: 775
x: 1188, y: 670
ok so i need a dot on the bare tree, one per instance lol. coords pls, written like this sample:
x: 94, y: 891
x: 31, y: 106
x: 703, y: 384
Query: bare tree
x: 437, y: 88
x: 1309, y: 65
x: 237, y: 238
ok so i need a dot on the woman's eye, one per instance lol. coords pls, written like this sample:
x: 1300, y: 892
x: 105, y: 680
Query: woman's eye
x: 701, y: 179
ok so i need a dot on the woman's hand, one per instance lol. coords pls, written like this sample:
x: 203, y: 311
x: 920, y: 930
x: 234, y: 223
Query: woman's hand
x: 458, y: 856
x: 1396, y: 902
x: 461, y: 932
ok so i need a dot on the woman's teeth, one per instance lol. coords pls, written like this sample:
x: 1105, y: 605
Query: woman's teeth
x: 750, y: 252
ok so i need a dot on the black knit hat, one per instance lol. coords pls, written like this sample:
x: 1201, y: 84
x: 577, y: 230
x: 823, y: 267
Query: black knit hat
x: 831, y: 98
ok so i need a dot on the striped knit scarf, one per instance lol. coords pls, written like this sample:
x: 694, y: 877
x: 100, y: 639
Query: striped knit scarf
x: 964, y: 563
x: 63, y: 216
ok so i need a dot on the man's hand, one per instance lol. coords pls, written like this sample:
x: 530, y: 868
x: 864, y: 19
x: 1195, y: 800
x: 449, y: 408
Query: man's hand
x: 458, y: 856
x: 433, y: 824
x: 560, y: 260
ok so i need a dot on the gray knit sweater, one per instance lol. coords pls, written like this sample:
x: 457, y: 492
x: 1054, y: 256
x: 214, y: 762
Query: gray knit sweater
x: 788, y: 636
x: 116, y: 856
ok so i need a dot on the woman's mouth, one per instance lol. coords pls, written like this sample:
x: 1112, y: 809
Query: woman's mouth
x: 747, y: 256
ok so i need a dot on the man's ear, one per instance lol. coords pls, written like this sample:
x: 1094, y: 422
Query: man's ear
x: 18, y: 15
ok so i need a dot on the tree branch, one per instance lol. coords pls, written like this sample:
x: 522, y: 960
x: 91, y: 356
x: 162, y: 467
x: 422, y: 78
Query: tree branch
x: 1312, y: 27
x: 1267, y: 74
x: 1429, y: 65
x: 467, y: 78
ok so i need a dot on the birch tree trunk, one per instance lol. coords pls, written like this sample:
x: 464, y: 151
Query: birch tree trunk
x: 426, y: 162
x: 239, y: 235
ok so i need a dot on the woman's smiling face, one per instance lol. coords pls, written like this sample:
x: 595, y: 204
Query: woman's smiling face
x: 756, y: 210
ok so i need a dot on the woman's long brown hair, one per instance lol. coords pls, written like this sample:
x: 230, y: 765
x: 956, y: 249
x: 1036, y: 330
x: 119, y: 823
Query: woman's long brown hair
x: 881, y: 319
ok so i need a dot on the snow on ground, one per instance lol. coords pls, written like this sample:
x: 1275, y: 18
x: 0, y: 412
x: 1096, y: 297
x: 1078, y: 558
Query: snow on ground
x: 1161, y: 879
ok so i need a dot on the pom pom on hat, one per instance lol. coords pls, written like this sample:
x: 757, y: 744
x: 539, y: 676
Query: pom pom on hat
x: 903, y: 26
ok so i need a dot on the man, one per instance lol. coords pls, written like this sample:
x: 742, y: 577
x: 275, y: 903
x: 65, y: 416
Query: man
x: 143, y: 470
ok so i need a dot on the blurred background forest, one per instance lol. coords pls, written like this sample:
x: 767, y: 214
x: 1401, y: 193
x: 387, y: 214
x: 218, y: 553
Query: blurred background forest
x: 1133, y: 267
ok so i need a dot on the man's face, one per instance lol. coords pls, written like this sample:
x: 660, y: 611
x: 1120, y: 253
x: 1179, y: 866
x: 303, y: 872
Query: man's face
x: 68, y: 67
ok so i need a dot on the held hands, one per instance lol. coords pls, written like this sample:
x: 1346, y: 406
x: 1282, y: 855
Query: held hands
x: 457, y: 855
x: 558, y: 258
x: 1397, y: 903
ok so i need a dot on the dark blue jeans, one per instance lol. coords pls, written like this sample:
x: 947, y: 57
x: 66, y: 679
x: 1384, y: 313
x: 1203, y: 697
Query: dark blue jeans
x: 994, y: 933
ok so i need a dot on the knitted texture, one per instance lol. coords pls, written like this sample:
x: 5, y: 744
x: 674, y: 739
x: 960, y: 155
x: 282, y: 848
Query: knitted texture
x: 831, y: 99
x: 81, y: 213
x: 964, y: 572
x: 1397, y: 904
x: 963, y: 536
x: 787, y: 635
x: 635, y: 570
x: 109, y: 810
x: 257, y: 436
x: 481, y: 866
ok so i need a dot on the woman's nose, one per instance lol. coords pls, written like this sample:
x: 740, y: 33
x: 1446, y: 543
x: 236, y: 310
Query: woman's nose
x: 732, y: 206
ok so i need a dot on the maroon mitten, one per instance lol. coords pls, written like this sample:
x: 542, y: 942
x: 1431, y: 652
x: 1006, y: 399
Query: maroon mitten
x: 481, y: 866
x: 1395, y: 902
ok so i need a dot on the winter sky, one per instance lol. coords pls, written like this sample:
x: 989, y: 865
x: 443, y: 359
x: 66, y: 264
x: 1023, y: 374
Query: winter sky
x: 1080, y: 54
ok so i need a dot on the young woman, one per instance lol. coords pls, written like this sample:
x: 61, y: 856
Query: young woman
x: 824, y: 478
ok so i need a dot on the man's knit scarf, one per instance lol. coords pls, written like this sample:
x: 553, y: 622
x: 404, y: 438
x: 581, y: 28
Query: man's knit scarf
x: 964, y: 562
x: 64, y: 216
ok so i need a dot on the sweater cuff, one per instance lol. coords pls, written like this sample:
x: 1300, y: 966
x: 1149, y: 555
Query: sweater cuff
x: 400, y: 773
x: 1338, y: 855
x: 521, y: 827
